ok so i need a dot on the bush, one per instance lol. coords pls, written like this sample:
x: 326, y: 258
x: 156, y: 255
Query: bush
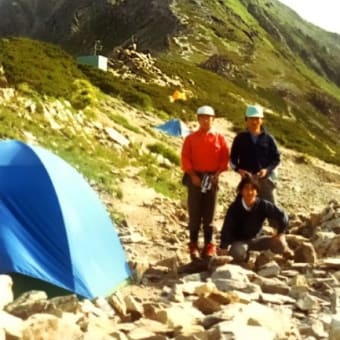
x: 83, y: 94
x: 163, y: 182
x: 114, y: 86
x: 123, y: 122
x: 44, y: 67
x: 165, y: 152
x: 137, y: 99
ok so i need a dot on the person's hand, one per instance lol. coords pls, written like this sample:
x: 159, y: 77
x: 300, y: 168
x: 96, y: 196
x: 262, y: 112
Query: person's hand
x: 262, y: 173
x: 244, y: 173
x: 281, y: 237
x: 222, y: 251
x: 195, y: 180
x: 281, y: 242
x: 288, y: 253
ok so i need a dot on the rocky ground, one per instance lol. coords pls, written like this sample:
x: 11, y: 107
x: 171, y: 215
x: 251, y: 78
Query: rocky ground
x: 268, y: 297
x: 305, y: 189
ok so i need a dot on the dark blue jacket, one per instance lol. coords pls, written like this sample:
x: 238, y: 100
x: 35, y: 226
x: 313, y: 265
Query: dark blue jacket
x: 250, y: 156
x: 242, y: 225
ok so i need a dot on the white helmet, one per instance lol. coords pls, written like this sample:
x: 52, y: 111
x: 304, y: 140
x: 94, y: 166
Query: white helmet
x: 205, y: 110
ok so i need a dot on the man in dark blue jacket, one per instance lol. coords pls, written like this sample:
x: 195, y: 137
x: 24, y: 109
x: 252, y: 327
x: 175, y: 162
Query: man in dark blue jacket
x: 244, y: 220
x: 254, y: 152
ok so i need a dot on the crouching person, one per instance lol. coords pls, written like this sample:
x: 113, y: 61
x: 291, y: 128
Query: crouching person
x: 244, y: 221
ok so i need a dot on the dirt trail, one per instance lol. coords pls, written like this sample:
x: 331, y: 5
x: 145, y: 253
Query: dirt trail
x: 305, y: 185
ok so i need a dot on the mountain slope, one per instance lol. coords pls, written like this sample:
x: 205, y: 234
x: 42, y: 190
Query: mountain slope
x: 76, y: 25
x: 249, y: 29
x: 226, y: 53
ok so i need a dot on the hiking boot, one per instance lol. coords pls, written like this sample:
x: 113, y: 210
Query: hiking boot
x: 194, y: 251
x: 209, y: 250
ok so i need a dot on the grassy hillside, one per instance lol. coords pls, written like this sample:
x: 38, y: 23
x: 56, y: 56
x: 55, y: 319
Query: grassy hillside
x: 43, y: 67
x: 46, y: 70
x: 57, y: 105
x: 274, y: 58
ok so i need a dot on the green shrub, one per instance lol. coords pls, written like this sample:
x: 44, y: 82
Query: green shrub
x: 123, y: 122
x: 114, y: 86
x: 83, y: 94
x: 164, y: 182
x: 105, y: 81
x: 165, y: 152
x: 44, y: 67
x: 138, y: 99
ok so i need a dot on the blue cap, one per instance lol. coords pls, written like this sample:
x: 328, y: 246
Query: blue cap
x: 254, y: 111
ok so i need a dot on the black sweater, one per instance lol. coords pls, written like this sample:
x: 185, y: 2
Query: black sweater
x: 242, y: 225
x: 250, y: 156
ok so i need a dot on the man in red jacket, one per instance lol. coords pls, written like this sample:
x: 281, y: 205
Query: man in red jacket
x: 204, y: 156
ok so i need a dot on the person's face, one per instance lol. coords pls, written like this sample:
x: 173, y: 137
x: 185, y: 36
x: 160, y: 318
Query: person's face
x: 254, y: 124
x: 205, y: 122
x: 249, y: 194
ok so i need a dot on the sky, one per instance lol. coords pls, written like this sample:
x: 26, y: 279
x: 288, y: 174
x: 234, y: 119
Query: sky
x: 322, y: 13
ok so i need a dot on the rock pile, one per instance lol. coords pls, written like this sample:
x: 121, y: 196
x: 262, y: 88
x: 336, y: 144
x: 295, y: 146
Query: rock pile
x: 266, y: 298
x: 128, y: 63
x: 223, y: 66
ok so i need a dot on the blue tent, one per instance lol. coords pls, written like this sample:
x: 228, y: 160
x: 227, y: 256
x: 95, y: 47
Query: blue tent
x: 174, y: 127
x: 53, y: 227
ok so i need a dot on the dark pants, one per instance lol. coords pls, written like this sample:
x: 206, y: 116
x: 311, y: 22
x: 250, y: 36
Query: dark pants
x: 267, y: 192
x: 239, y: 249
x: 267, y: 188
x: 201, y: 207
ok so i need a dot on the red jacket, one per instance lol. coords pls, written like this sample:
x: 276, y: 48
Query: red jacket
x: 205, y: 152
